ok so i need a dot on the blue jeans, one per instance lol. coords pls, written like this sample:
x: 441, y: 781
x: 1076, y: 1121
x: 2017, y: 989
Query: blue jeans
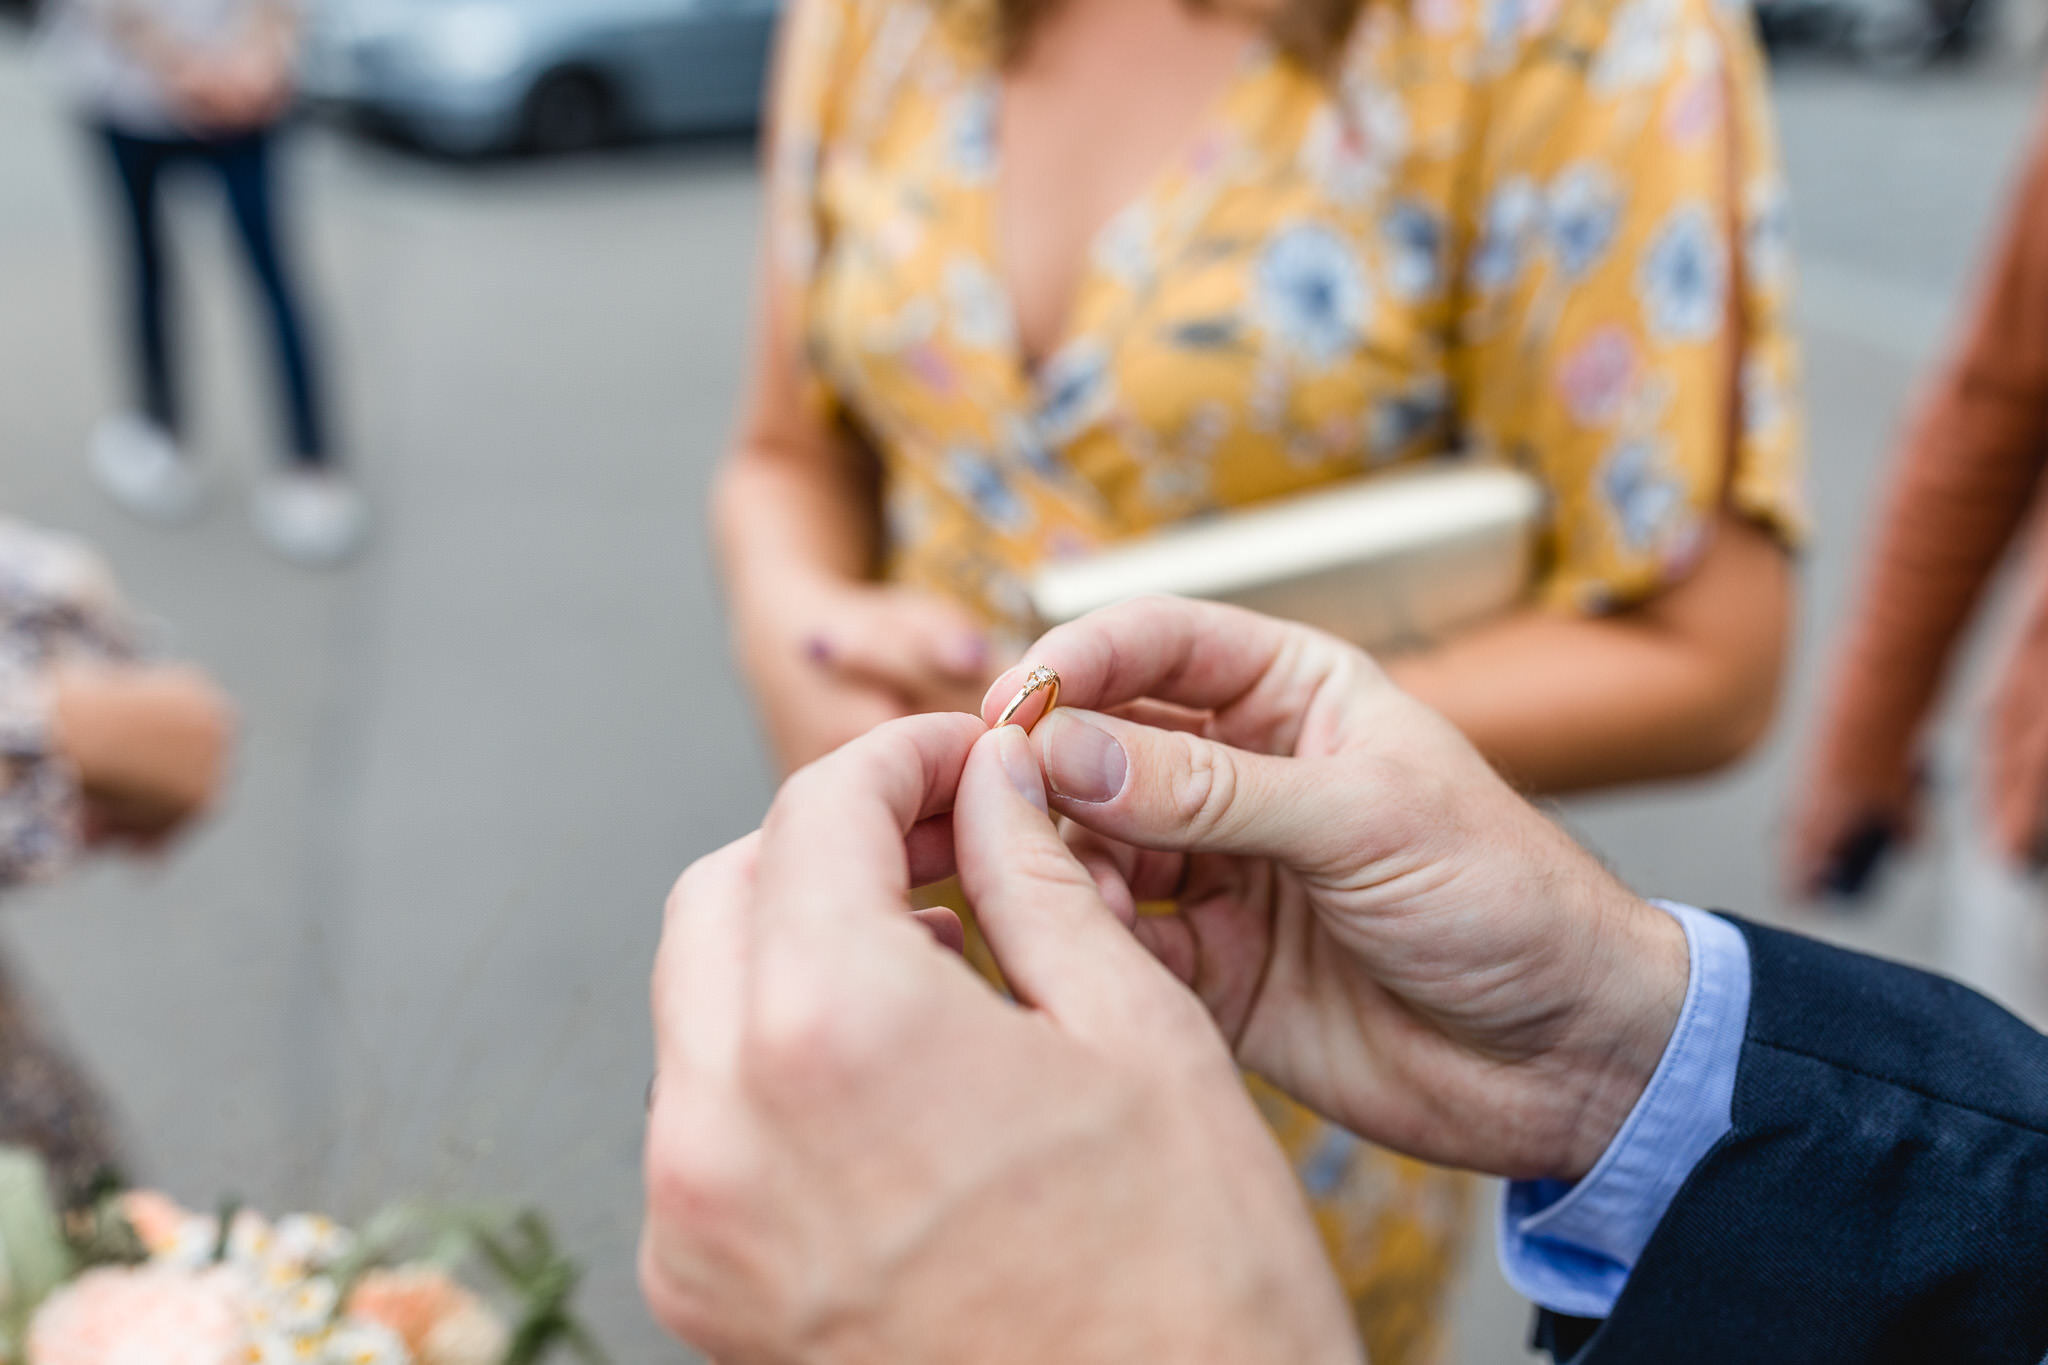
x: 242, y: 162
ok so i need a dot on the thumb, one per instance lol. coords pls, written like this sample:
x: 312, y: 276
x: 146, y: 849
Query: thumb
x: 1058, y: 944
x: 1171, y: 790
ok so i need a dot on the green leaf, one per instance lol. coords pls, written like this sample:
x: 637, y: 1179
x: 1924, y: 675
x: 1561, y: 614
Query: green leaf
x: 37, y: 1258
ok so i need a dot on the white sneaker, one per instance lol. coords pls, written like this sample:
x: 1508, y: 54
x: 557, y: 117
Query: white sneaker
x: 138, y: 464
x: 311, y: 517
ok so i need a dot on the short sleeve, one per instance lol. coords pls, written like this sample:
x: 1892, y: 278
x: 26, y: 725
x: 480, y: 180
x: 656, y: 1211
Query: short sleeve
x: 815, y: 50
x: 58, y: 601
x: 39, y: 806
x: 1624, y: 329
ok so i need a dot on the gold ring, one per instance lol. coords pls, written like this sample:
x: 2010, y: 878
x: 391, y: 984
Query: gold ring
x: 1040, y: 679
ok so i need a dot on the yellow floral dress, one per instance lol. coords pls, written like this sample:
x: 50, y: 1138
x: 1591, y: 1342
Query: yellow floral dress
x: 1550, y: 232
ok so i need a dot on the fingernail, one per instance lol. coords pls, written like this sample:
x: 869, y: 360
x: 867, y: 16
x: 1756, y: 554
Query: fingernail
x: 966, y: 655
x: 1020, y: 765
x: 817, y: 650
x: 1083, y: 761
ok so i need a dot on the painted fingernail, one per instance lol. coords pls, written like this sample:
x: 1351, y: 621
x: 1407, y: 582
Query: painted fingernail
x: 817, y: 650
x: 1083, y: 761
x: 1020, y: 765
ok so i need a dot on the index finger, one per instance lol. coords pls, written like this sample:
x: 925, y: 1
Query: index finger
x: 1202, y: 655
x: 834, y: 840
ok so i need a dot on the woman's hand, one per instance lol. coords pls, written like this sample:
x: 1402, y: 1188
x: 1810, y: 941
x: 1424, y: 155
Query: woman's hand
x: 1377, y: 922
x: 1847, y: 814
x: 150, y: 746
x: 248, y: 87
x: 2015, y: 756
x: 831, y: 660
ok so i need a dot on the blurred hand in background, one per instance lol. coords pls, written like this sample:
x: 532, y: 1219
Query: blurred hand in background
x: 831, y: 659
x: 150, y: 745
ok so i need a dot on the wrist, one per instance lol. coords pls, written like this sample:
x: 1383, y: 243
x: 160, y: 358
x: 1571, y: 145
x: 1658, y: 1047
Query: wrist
x: 1637, y: 975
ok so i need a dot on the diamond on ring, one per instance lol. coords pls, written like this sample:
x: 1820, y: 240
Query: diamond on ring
x: 1039, y: 679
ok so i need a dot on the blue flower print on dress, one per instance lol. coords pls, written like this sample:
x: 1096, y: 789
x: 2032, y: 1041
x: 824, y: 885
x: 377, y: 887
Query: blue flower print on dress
x: 971, y: 135
x: 1324, y: 1168
x: 1642, y: 496
x: 1641, y: 44
x: 1684, y: 279
x: 1512, y: 216
x: 1763, y: 405
x: 1415, y: 251
x: 1584, y: 210
x: 977, y: 305
x: 1123, y: 248
x: 1504, y: 21
x: 1768, y: 244
x: 982, y: 485
x: 1310, y: 292
x: 1025, y: 444
x: 1399, y: 422
x: 1073, y: 390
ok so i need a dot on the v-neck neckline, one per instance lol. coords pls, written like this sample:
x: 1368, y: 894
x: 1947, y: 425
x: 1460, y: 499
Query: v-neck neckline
x: 1210, y: 123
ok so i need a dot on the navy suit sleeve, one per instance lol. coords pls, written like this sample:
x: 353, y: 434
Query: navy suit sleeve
x: 1882, y: 1196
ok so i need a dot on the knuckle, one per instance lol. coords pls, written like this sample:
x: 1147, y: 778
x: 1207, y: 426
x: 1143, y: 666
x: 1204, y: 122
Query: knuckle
x: 689, y: 889
x: 803, y: 1042
x: 1204, y: 786
x: 699, y: 1167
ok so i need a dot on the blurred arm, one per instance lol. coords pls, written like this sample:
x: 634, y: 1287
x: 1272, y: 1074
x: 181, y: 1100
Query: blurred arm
x: 1681, y: 684
x: 794, y: 506
x: 1964, y: 479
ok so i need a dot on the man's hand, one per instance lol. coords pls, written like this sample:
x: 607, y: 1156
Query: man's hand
x: 150, y: 745
x: 858, y: 1152
x: 1377, y: 922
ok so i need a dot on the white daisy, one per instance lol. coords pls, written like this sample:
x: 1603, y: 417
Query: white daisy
x: 1640, y: 45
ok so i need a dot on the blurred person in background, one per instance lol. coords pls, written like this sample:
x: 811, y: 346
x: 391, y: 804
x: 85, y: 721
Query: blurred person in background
x: 171, y: 83
x: 97, y: 750
x: 1964, y: 487
x: 1025, y: 296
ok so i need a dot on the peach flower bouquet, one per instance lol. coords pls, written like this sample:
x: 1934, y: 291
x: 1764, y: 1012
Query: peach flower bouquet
x: 135, y: 1279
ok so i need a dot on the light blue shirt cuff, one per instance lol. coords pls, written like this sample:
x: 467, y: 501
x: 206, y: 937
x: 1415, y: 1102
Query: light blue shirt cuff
x: 1571, y: 1248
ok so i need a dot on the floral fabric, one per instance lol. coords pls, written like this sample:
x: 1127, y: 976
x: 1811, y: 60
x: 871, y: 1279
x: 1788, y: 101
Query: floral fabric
x: 57, y: 604
x: 1550, y: 232
x: 1544, y: 231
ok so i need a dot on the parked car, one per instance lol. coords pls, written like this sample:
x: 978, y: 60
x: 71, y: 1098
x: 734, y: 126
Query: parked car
x: 473, y: 76
x: 1884, y: 35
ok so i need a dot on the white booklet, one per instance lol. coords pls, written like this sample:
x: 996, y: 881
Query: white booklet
x: 1388, y: 562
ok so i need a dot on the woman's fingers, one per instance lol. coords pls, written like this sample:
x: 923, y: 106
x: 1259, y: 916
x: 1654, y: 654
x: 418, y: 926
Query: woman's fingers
x: 2017, y: 765
x: 1196, y: 656
x: 917, y: 645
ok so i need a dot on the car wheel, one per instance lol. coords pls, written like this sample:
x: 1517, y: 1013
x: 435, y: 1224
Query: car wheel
x: 569, y: 111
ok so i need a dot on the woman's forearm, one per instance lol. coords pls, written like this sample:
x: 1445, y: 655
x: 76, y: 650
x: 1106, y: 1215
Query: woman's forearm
x: 1681, y: 686
x: 787, y: 522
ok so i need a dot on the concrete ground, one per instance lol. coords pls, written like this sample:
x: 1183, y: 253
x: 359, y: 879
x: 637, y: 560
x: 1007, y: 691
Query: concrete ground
x: 410, y: 955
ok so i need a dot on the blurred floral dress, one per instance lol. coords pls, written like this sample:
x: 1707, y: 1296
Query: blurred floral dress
x: 58, y: 604
x: 1550, y: 232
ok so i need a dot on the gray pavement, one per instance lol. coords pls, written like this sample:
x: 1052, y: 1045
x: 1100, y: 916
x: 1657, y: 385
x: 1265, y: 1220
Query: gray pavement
x: 410, y: 956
